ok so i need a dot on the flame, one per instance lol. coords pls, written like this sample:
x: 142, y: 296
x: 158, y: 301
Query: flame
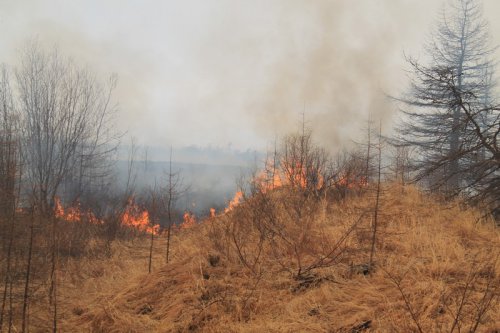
x: 276, y: 181
x: 188, y: 220
x: 235, y: 201
x: 287, y: 174
x: 139, y: 219
x: 132, y: 217
x: 352, y: 181
x: 238, y: 197
x: 295, y: 174
x: 74, y: 213
x: 58, y: 209
x: 265, y: 181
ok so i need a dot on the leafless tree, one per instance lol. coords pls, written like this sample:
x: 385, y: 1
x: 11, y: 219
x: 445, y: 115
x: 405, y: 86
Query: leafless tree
x: 172, y: 191
x: 401, y: 164
x: 349, y: 172
x: 375, y: 224
x: 303, y: 164
x: 29, y: 268
x: 9, y: 180
x: 369, y: 145
x: 154, y: 217
x: 65, y: 122
x: 9, y: 146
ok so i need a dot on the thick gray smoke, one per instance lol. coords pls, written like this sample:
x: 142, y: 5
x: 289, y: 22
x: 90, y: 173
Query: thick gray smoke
x: 235, y: 73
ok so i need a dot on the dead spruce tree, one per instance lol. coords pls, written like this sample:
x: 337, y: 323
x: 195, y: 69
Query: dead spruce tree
x: 450, y: 106
x: 479, y: 150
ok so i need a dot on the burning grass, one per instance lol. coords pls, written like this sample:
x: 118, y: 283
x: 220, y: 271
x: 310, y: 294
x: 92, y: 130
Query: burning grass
x: 279, y: 262
x: 133, y: 216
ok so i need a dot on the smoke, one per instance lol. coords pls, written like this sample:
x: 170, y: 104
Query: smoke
x: 236, y: 73
x: 333, y: 61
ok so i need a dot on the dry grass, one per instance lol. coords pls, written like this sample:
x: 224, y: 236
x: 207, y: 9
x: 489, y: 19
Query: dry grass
x: 436, y: 268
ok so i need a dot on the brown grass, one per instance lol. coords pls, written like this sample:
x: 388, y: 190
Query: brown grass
x: 436, y: 268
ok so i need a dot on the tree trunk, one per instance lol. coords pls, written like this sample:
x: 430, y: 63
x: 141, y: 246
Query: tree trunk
x: 24, y: 327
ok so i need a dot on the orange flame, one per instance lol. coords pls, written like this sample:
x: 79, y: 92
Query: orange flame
x: 74, y: 213
x: 58, y: 209
x: 139, y: 219
x: 352, y: 181
x: 295, y: 174
x: 212, y: 212
x: 238, y: 197
x: 188, y: 221
x: 266, y: 181
x: 288, y: 174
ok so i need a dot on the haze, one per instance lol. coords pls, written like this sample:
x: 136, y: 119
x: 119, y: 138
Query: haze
x: 233, y: 73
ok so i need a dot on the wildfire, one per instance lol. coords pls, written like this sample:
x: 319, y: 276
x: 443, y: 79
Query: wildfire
x: 132, y: 217
x: 284, y: 176
x: 288, y: 176
x: 188, y: 220
x: 139, y: 219
x: 238, y: 197
x: 352, y: 182
x: 267, y: 182
x: 295, y: 174
x: 235, y: 201
x: 74, y: 213
x: 59, y: 210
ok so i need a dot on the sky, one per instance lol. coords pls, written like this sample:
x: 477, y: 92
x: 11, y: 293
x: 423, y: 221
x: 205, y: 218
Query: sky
x: 232, y: 73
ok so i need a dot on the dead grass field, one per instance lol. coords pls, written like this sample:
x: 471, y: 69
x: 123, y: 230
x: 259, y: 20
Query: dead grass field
x: 437, y: 269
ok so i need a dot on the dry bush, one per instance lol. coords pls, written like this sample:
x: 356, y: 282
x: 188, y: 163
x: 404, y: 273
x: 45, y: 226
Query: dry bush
x: 421, y: 244
x: 282, y: 225
x: 283, y: 230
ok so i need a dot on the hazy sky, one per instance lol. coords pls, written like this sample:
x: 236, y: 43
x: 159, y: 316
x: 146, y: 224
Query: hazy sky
x: 236, y: 72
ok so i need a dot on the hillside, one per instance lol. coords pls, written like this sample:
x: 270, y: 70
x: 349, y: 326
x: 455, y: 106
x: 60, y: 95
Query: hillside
x: 436, y: 269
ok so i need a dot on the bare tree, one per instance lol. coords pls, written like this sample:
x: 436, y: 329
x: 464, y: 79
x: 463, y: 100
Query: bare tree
x: 303, y: 164
x: 154, y: 216
x: 172, y: 191
x: 401, y: 164
x: 9, y: 146
x: 65, y: 113
x: 369, y: 146
x: 26, y: 294
x: 9, y: 176
x: 349, y: 172
x: 375, y: 224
